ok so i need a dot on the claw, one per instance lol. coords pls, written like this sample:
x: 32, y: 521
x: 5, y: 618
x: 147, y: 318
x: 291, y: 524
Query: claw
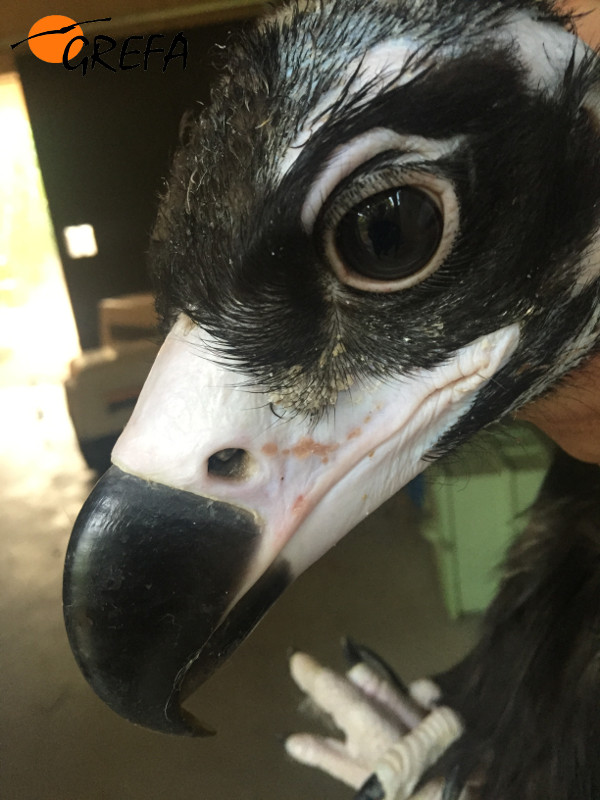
x: 453, y: 786
x: 355, y: 653
x: 378, y: 681
x: 371, y: 790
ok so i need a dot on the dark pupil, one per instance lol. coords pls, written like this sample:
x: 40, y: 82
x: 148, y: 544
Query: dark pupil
x: 390, y: 235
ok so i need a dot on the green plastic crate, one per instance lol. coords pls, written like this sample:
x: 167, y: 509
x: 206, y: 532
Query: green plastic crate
x: 474, y: 506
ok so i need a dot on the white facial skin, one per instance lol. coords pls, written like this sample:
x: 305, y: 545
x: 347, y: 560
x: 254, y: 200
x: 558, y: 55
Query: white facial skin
x: 308, y: 483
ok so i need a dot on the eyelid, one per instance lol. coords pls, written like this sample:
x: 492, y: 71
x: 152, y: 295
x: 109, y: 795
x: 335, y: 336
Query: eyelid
x: 346, y: 158
x: 388, y: 177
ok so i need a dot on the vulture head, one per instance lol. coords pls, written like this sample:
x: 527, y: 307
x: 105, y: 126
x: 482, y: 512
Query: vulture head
x: 381, y: 236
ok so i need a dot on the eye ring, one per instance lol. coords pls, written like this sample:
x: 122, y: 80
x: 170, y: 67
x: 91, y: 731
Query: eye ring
x: 443, y: 202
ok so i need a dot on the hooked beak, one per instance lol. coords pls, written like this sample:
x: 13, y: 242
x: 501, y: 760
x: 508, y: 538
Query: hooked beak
x: 214, y: 506
x: 148, y: 576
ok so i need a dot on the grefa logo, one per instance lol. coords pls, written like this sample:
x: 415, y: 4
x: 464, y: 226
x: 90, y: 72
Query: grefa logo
x: 58, y: 39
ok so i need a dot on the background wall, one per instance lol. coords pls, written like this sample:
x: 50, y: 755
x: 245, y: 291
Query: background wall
x: 104, y: 142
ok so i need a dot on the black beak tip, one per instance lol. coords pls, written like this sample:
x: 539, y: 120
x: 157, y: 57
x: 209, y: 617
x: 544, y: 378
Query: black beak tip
x: 140, y: 701
x: 148, y: 578
x: 182, y: 723
x: 140, y: 598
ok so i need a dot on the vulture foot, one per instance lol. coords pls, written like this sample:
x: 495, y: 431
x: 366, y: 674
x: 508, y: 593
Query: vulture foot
x: 393, y: 733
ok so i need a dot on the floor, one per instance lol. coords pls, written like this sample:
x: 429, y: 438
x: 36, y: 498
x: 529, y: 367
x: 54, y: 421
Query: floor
x: 58, y: 742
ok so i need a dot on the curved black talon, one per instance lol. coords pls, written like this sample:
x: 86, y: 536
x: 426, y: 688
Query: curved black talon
x: 355, y: 653
x: 371, y: 790
x: 453, y: 785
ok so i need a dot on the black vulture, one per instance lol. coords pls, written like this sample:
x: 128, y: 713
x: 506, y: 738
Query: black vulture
x: 379, y: 238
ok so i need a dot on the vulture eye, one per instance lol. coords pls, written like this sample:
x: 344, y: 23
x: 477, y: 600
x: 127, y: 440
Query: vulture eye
x: 390, y: 236
x: 388, y: 229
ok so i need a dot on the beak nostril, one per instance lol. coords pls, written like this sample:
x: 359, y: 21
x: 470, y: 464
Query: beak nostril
x: 231, y: 463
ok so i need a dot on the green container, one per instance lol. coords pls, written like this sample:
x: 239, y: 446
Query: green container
x: 474, y: 506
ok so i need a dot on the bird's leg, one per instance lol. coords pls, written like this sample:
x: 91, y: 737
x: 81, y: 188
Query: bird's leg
x: 517, y: 718
x: 392, y: 733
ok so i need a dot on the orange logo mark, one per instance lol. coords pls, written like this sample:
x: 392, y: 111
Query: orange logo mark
x: 51, y: 36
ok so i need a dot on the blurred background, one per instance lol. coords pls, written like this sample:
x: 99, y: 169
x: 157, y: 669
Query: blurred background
x: 81, y: 165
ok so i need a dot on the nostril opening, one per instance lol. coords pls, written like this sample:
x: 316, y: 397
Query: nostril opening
x: 231, y: 463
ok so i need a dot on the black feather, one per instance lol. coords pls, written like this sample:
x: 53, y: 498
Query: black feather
x: 529, y: 692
